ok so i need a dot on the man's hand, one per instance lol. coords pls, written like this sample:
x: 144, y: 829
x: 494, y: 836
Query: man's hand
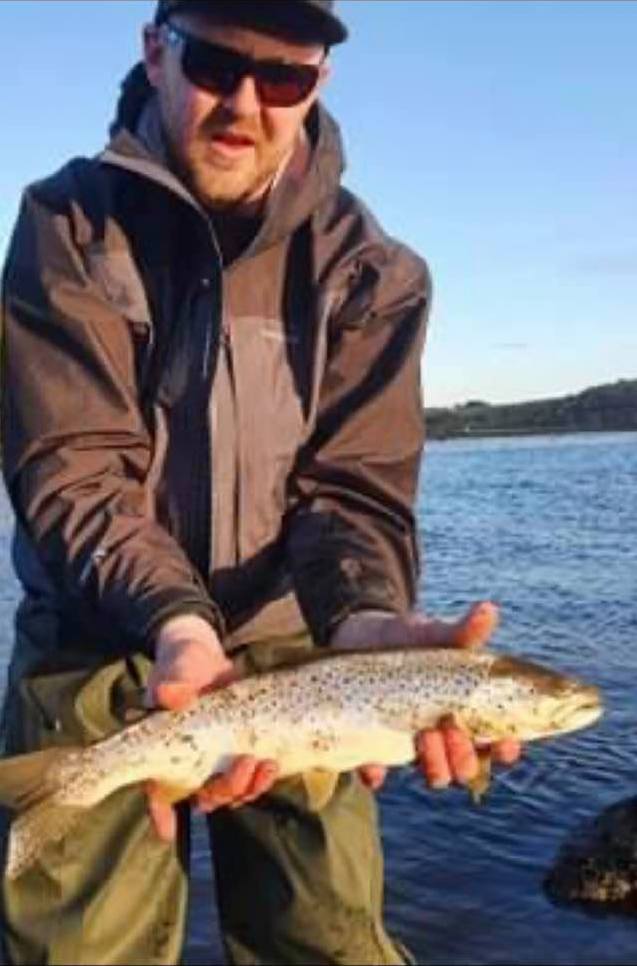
x: 445, y: 754
x: 190, y: 660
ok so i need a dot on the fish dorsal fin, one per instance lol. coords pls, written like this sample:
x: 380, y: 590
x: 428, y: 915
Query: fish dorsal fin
x: 25, y: 780
x: 320, y: 786
x: 479, y: 786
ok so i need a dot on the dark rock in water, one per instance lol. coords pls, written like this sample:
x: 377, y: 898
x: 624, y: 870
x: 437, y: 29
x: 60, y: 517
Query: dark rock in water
x: 598, y: 866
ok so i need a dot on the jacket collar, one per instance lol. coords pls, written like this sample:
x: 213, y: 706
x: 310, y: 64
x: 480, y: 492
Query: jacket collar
x: 309, y: 178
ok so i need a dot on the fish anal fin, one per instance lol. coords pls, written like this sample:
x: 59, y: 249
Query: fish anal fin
x: 26, y: 780
x: 479, y: 786
x: 320, y: 786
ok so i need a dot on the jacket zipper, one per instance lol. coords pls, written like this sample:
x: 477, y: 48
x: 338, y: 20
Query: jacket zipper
x: 226, y: 341
x: 202, y: 518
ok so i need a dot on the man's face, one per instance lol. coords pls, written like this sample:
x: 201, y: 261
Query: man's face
x: 229, y: 148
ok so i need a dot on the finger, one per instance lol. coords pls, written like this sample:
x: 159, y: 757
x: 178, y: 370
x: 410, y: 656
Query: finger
x: 506, y: 752
x: 163, y: 816
x: 373, y: 776
x: 472, y: 630
x: 265, y: 776
x: 432, y: 757
x: 174, y: 695
x: 461, y: 755
x: 232, y: 786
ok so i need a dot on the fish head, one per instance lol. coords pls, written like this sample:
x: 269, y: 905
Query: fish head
x: 523, y: 700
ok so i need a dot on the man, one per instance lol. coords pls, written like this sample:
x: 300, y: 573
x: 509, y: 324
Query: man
x: 212, y: 431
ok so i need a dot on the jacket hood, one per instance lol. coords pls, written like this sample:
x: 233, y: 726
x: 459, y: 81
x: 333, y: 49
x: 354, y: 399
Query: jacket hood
x: 310, y: 178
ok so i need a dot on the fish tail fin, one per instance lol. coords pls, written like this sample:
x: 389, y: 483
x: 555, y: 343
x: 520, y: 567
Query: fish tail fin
x: 41, y: 825
x: 28, y: 786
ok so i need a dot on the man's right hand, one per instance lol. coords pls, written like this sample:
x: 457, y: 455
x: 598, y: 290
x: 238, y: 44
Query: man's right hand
x: 189, y: 660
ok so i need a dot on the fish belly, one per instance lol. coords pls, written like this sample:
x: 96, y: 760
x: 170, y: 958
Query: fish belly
x: 321, y: 748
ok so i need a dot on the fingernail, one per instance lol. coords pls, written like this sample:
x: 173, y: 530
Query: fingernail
x: 437, y: 784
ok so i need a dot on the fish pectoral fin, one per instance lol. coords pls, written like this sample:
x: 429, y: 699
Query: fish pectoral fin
x: 25, y: 781
x: 320, y: 786
x: 479, y: 786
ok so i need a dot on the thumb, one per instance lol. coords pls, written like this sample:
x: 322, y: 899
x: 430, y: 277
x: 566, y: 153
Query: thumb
x: 477, y: 626
x: 174, y: 695
x: 472, y: 630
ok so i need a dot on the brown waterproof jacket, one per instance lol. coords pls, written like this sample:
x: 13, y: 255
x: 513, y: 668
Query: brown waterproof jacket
x: 240, y: 442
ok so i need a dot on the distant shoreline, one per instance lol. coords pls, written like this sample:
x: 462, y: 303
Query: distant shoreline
x: 608, y: 408
x: 511, y: 433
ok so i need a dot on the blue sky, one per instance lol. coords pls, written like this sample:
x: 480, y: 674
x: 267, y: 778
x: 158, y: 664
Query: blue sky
x: 497, y: 138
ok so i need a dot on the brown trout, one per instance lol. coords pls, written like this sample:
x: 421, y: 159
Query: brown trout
x: 316, y: 718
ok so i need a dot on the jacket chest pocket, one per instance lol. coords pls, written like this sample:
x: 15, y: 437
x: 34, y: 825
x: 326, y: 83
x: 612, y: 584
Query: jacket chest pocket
x: 116, y: 276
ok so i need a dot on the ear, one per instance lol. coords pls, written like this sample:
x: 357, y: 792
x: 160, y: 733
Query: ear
x: 153, y: 55
x: 326, y: 74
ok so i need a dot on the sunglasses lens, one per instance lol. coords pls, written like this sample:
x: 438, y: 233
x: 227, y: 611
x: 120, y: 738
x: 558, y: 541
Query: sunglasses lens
x: 220, y: 71
x: 284, y: 85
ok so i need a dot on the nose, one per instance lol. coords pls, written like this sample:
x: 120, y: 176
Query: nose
x: 244, y: 100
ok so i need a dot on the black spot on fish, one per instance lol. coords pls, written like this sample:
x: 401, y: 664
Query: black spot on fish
x: 188, y: 740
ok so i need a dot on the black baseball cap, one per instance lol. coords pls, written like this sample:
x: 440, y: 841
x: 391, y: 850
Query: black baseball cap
x: 311, y: 21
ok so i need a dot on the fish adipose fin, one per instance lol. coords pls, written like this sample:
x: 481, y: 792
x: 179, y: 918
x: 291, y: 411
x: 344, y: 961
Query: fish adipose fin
x: 479, y: 786
x: 26, y: 787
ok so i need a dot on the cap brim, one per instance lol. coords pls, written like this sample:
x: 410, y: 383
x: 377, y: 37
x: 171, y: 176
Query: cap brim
x: 288, y: 18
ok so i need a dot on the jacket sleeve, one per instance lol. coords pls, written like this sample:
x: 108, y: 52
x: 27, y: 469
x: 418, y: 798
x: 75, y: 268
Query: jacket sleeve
x: 352, y: 534
x: 76, y: 450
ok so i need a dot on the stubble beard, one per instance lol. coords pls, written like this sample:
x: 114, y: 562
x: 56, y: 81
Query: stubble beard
x: 221, y: 184
x: 228, y: 186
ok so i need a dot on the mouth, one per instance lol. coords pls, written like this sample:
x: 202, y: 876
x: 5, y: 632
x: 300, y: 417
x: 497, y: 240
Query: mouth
x: 232, y: 145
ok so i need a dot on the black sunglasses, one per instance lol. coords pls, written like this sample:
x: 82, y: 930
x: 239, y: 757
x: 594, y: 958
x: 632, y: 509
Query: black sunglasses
x: 220, y: 70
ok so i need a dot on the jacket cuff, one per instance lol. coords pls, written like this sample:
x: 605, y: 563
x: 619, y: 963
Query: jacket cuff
x: 324, y: 633
x: 170, y: 609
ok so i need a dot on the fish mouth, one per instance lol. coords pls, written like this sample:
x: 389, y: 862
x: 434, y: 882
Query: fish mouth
x: 581, y: 711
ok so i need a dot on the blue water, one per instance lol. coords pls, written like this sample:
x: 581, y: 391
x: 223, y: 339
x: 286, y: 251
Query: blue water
x: 547, y: 527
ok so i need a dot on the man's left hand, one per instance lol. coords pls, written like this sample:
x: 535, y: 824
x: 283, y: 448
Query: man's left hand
x: 445, y: 754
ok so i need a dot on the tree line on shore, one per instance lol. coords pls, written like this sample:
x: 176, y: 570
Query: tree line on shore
x: 612, y: 407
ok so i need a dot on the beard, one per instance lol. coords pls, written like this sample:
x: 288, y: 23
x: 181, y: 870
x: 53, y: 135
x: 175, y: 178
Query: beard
x: 217, y: 178
x: 221, y: 185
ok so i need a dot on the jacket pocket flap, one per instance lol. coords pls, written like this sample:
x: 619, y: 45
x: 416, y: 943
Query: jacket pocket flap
x: 117, y: 276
